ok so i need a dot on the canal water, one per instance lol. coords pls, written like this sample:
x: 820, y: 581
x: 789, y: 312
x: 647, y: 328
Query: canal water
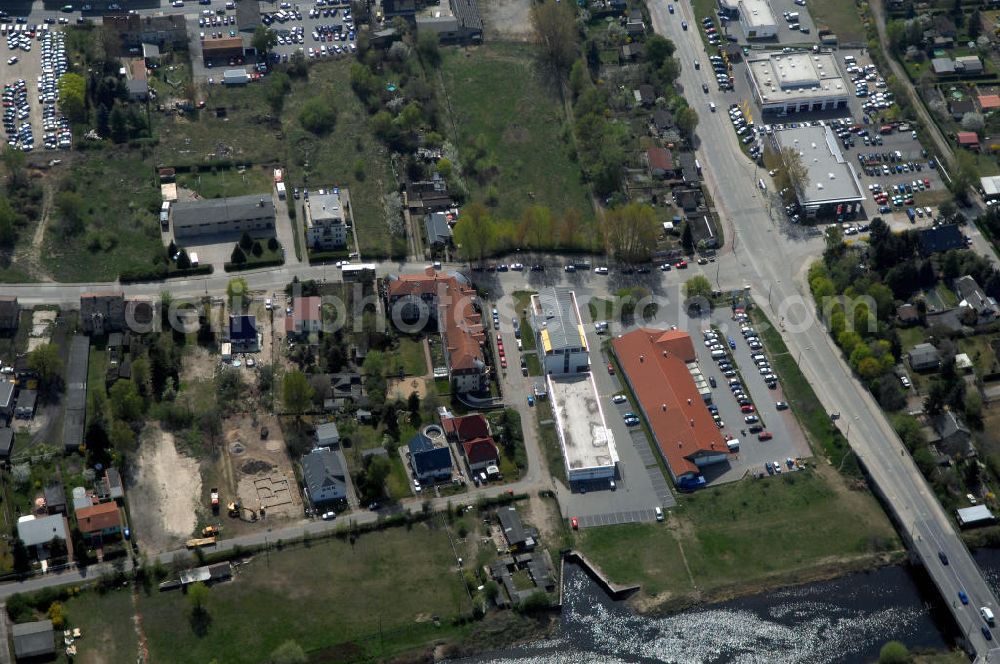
x: 844, y: 621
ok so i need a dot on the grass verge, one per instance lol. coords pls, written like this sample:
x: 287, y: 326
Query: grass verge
x: 820, y: 429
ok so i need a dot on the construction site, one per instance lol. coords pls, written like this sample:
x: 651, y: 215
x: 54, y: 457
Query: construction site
x: 250, y: 479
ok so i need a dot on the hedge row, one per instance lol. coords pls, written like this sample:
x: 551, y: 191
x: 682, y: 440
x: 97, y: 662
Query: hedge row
x: 251, y: 265
x: 160, y: 272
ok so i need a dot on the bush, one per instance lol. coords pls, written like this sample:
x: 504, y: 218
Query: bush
x: 318, y: 115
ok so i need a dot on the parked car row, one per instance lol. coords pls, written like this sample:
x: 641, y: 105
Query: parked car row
x: 16, y: 114
x: 56, y: 128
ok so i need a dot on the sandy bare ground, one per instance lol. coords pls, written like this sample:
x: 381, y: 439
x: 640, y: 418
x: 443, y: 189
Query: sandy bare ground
x: 507, y: 19
x: 164, y: 492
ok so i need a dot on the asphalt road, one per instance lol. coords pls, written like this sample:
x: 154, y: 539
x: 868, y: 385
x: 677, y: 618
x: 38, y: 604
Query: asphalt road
x: 776, y: 278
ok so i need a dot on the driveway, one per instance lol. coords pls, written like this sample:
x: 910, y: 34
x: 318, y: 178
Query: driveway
x: 284, y: 230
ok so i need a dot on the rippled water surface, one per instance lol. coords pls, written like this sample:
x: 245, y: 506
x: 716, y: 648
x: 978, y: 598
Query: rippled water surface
x: 846, y: 620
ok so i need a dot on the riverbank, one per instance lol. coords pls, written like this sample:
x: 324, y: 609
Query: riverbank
x: 745, y: 538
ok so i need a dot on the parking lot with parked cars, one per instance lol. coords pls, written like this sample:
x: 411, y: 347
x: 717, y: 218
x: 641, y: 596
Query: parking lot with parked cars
x: 37, y: 58
x: 747, y: 404
x: 319, y: 30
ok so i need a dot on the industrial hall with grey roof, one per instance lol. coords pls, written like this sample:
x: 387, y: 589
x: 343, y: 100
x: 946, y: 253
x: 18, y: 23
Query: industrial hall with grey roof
x: 253, y: 214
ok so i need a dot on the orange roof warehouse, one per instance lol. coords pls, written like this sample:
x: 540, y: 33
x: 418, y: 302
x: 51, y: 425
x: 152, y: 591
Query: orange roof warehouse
x: 661, y: 368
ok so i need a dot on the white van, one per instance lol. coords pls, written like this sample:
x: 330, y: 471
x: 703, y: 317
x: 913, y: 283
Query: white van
x: 733, y: 444
x: 718, y: 354
x: 659, y: 514
x: 711, y: 106
x: 758, y: 356
x: 987, y: 615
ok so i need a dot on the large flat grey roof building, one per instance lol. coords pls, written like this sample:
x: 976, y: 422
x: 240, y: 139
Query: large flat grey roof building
x: 831, y: 179
x: 253, y: 214
x: 587, y: 443
x: 76, y: 393
x: 787, y: 83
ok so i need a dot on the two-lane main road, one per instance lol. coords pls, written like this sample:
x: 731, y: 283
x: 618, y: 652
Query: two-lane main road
x: 773, y: 265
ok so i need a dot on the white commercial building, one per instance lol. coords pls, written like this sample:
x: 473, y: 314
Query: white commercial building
x: 588, y: 446
x: 757, y: 19
x: 559, y: 337
x: 990, y: 186
x: 830, y: 179
x: 326, y: 226
x: 787, y: 83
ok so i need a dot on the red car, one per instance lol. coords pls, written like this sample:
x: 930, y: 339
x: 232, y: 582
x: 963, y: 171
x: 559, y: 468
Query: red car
x: 611, y: 369
x: 575, y: 523
x: 500, y: 347
x: 503, y: 362
x: 681, y: 265
x: 927, y: 183
x: 746, y: 409
x: 765, y: 435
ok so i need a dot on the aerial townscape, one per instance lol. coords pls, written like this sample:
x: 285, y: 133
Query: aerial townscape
x: 540, y: 331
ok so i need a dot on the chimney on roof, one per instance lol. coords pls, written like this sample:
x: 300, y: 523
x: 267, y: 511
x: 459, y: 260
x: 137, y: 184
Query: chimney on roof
x: 689, y: 402
x: 664, y: 407
x: 692, y: 422
x: 262, y: 201
x: 641, y: 358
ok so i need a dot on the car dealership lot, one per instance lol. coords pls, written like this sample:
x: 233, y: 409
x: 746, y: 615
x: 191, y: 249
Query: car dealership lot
x: 788, y: 439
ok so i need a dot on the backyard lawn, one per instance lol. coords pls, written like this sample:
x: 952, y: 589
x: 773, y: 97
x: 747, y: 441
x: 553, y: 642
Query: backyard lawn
x: 330, y: 597
x: 409, y: 356
x: 524, y: 140
x: 227, y: 182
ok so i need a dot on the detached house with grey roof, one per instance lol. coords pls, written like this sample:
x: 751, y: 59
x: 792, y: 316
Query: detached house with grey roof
x: 924, y: 357
x: 324, y: 476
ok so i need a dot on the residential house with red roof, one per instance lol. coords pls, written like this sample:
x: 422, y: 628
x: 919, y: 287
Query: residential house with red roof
x: 659, y: 366
x: 99, y: 521
x: 448, y: 302
x: 472, y: 432
x: 968, y: 139
x: 306, y: 316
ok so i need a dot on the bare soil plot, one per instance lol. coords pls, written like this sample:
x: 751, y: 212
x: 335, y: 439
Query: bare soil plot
x: 164, y: 490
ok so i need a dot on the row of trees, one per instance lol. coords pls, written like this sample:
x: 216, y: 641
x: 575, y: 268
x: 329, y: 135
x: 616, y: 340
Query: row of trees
x: 629, y: 232
x: 480, y: 234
